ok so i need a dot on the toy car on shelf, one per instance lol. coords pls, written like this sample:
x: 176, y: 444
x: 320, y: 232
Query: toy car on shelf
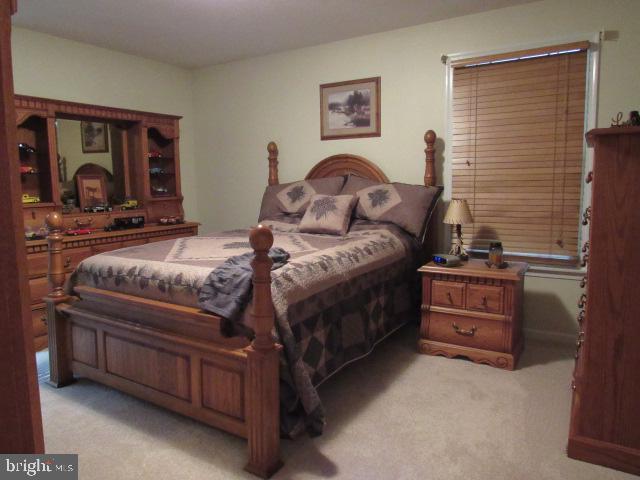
x: 129, y: 204
x: 171, y: 220
x: 99, y: 208
x: 160, y: 190
x: 26, y: 198
x: 41, y: 234
x: 26, y: 148
x: 79, y: 231
x: 27, y: 170
x: 155, y: 154
x: 156, y: 171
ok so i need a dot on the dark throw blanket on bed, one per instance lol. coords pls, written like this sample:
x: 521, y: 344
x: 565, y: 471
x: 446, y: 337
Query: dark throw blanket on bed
x: 227, y: 290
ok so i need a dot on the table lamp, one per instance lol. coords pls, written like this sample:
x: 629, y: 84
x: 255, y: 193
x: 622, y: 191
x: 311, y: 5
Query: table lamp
x: 458, y: 214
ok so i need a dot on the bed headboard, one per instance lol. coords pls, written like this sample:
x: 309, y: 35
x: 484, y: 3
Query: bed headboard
x: 346, y: 163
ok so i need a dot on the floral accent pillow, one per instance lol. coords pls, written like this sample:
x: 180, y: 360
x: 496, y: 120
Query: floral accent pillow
x: 328, y: 214
x: 293, y: 198
x: 407, y: 206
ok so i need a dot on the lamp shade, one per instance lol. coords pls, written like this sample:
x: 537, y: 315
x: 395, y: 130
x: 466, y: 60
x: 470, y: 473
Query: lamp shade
x: 458, y: 213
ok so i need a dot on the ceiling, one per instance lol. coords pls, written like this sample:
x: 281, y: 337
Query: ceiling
x: 198, y: 33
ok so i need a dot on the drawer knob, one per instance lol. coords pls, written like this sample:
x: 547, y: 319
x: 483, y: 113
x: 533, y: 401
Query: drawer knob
x: 462, y: 331
x: 67, y: 262
x: 484, y: 301
x: 450, y: 297
x: 43, y: 319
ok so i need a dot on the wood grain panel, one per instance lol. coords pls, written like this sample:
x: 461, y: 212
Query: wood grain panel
x: 154, y: 367
x: 84, y: 345
x: 223, y: 390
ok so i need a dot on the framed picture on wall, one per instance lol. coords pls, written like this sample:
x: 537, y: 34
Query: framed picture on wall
x: 92, y: 190
x: 95, y: 137
x: 350, y: 109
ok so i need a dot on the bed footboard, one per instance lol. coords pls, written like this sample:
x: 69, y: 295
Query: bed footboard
x: 173, y: 356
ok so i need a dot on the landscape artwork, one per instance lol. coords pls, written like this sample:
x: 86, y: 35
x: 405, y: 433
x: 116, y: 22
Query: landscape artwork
x: 94, y: 137
x: 350, y: 109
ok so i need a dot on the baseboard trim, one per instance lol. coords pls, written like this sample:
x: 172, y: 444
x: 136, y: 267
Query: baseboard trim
x: 550, y: 337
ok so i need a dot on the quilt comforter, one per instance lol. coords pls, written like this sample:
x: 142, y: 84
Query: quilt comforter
x: 334, y: 299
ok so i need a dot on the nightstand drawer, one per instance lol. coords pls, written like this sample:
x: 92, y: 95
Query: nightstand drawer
x: 466, y: 331
x: 447, y: 294
x: 485, y: 298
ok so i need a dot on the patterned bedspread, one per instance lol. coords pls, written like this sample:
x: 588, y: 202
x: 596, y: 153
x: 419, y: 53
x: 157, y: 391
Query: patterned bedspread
x: 334, y: 300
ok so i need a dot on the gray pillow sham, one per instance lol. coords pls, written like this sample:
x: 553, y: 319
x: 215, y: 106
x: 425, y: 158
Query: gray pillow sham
x: 294, y: 197
x: 407, y: 206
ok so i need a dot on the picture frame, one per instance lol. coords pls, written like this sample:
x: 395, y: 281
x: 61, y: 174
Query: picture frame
x: 350, y: 109
x: 94, y: 137
x: 92, y: 190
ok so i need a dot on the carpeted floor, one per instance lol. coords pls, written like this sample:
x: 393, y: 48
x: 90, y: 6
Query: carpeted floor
x: 393, y: 415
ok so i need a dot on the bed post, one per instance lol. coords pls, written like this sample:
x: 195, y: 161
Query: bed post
x: 430, y: 160
x: 263, y: 362
x: 59, y: 348
x: 272, y: 148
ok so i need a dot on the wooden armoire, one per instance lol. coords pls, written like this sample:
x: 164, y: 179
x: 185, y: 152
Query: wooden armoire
x: 605, y: 416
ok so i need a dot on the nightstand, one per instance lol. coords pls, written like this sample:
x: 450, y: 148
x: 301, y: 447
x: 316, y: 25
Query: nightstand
x: 473, y: 311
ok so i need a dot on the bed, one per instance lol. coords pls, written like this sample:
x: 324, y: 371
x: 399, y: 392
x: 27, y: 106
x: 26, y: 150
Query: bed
x: 133, y: 319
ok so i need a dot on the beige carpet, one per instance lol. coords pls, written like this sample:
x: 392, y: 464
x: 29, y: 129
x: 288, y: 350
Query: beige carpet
x: 394, y: 415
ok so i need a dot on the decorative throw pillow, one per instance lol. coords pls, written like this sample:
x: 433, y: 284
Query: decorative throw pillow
x: 407, y: 206
x: 328, y: 214
x: 294, y: 197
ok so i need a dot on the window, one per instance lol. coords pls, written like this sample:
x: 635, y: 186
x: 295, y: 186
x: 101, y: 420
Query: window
x: 517, y: 124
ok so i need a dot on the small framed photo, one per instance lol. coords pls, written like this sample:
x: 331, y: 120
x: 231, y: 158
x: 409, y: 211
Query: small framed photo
x: 92, y: 190
x: 350, y: 109
x: 95, y: 137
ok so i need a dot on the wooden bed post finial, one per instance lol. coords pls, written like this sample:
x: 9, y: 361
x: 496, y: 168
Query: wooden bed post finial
x: 263, y: 362
x: 430, y: 160
x: 56, y: 273
x: 272, y: 148
x: 261, y: 240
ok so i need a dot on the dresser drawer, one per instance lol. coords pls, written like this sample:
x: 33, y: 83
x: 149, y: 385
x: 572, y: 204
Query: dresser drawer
x: 447, y: 294
x: 39, y: 288
x: 466, y: 331
x: 485, y: 298
x: 37, y: 320
x: 38, y: 263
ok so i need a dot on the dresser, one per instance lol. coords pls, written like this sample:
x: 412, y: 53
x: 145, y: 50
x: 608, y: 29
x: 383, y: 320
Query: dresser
x: 473, y: 311
x: 605, y: 414
x: 77, y: 249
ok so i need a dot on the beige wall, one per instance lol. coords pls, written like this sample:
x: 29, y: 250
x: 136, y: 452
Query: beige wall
x: 240, y: 106
x: 52, y: 67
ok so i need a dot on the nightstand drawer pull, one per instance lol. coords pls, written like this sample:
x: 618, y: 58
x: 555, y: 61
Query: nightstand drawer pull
x: 450, y: 297
x: 462, y: 331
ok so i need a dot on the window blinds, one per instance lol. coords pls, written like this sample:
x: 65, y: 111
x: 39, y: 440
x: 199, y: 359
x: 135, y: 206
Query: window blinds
x: 518, y: 128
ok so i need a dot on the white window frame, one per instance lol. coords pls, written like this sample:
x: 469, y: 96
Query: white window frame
x: 591, y: 118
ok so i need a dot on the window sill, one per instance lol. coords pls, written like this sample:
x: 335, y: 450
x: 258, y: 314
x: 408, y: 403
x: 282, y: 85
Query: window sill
x: 562, y: 273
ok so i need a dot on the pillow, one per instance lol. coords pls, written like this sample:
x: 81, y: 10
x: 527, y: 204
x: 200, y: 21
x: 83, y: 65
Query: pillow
x: 328, y: 214
x: 294, y: 197
x: 407, y: 206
